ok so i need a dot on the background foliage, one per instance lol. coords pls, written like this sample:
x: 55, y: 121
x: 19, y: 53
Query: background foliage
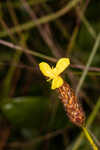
x: 31, y: 115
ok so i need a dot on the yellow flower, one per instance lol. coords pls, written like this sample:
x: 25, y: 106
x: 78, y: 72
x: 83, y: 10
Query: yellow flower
x: 53, y: 73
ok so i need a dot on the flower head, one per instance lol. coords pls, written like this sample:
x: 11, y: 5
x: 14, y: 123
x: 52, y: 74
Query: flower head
x: 53, y: 73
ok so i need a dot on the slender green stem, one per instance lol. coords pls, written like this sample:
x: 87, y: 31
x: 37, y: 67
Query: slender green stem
x: 88, y: 136
x: 94, y: 50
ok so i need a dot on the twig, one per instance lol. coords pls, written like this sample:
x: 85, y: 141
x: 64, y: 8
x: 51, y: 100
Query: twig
x: 17, y: 47
x: 83, y: 67
x: 11, y: 45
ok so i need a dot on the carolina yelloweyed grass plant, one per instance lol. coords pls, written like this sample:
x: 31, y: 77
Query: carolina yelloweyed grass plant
x: 71, y: 103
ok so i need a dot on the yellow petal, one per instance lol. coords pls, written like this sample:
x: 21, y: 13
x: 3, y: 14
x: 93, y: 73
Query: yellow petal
x: 62, y: 64
x: 46, y: 70
x: 57, y: 82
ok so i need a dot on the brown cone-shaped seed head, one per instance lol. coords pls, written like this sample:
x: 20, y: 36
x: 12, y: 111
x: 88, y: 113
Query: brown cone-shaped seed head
x: 71, y: 104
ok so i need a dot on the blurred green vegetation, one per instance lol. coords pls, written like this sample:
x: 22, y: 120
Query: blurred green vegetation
x: 31, y: 114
